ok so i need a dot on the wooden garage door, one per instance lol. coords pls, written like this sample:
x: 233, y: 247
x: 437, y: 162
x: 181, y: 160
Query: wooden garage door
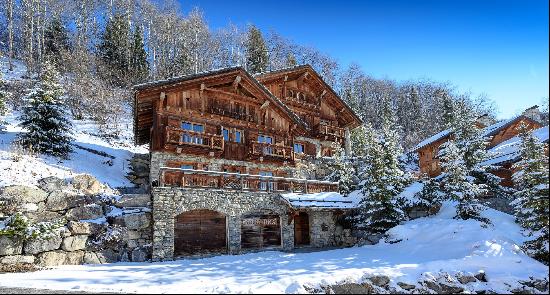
x: 261, y: 231
x: 199, y: 231
x: 301, y: 229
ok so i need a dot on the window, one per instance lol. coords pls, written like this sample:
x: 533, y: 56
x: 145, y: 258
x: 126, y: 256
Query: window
x: 192, y: 127
x: 186, y: 167
x: 266, y: 184
x: 299, y: 148
x: 267, y: 150
x: 238, y: 136
x: 225, y: 133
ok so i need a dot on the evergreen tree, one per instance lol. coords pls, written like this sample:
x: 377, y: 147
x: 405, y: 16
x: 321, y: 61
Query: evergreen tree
x: 56, y: 40
x: 257, y: 59
x: 383, y: 178
x: 113, y: 50
x: 139, y: 68
x: 343, y: 171
x: 4, y: 95
x: 531, y: 198
x: 44, y: 118
x: 358, y: 137
x: 465, y: 178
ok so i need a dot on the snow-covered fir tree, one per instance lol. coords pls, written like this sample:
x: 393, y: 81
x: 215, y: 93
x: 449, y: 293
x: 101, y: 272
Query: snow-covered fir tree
x: 531, y: 197
x: 382, y: 179
x: 44, y: 118
x: 465, y: 179
x: 342, y: 170
x: 257, y: 58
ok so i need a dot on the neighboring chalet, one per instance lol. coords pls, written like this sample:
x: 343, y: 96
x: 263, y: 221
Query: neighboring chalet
x: 496, y: 134
x: 225, y: 149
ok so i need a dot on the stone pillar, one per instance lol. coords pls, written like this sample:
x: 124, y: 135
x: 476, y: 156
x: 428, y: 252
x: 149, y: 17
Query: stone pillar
x: 347, y: 142
x: 234, y: 234
x: 163, y: 226
x: 317, y: 149
x: 287, y: 231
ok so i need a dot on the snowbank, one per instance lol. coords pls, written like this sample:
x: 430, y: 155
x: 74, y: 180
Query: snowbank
x: 322, y: 200
x: 428, y: 246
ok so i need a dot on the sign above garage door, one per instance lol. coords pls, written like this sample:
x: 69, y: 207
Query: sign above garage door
x: 262, y: 231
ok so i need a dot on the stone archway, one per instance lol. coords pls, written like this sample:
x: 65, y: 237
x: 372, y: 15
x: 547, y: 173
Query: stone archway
x: 200, y: 231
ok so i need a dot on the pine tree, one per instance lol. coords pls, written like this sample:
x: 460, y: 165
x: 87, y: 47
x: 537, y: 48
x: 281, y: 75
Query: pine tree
x: 113, y: 50
x: 531, y: 197
x: 465, y: 179
x: 139, y: 67
x: 4, y: 95
x: 44, y: 118
x: 257, y: 59
x: 343, y: 171
x: 358, y: 139
x: 56, y: 40
x: 383, y: 178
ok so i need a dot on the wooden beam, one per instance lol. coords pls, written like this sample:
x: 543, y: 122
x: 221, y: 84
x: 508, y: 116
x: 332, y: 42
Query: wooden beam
x: 236, y: 83
x: 264, y: 105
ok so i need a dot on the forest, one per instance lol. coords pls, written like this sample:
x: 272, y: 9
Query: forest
x: 103, y: 47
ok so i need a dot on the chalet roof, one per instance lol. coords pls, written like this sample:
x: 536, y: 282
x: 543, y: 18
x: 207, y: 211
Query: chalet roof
x: 183, y: 78
x: 307, y: 67
x: 487, y: 131
x: 509, y: 150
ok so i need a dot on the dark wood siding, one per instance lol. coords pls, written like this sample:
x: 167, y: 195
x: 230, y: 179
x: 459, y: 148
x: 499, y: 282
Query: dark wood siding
x: 260, y: 231
x: 301, y: 229
x: 199, y: 231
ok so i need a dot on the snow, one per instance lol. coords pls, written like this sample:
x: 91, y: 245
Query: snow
x: 409, y: 194
x: 428, y: 246
x: 431, y: 139
x: 509, y: 150
x: 323, y: 200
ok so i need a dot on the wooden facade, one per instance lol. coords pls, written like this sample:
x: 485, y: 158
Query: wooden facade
x: 428, y: 161
x: 276, y: 119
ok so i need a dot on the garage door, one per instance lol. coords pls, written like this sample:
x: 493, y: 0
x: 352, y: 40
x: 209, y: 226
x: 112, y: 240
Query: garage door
x: 261, y: 231
x: 199, y: 231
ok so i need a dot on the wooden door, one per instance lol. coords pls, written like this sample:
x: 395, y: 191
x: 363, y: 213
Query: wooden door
x: 261, y: 231
x: 199, y: 231
x: 301, y: 229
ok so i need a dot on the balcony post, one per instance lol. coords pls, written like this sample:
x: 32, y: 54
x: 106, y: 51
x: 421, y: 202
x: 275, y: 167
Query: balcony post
x: 305, y: 186
x: 242, y: 183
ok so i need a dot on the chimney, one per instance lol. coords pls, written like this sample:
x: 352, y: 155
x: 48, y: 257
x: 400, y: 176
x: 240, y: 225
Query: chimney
x: 484, y: 121
x: 533, y: 113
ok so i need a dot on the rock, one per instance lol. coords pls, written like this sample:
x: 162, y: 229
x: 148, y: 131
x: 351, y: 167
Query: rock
x: 139, y: 255
x: 80, y: 228
x: 406, y: 286
x: 74, y: 258
x: 87, y: 212
x: 52, y: 183
x: 521, y: 290
x: 41, y: 216
x: 10, y: 246
x: 138, y: 200
x: 91, y: 258
x: 352, y: 288
x: 36, y: 246
x: 52, y: 258
x: 28, y: 207
x: 23, y: 194
x: 465, y: 279
x: 87, y: 184
x: 481, y: 276
x: 134, y: 235
x: 107, y: 256
x: 380, y: 281
x: 541, y: 285
x: 135, y: 221
x: 17, y: 259
x: 74, y: 243
x: 441, y: 288
x: 63, y: 200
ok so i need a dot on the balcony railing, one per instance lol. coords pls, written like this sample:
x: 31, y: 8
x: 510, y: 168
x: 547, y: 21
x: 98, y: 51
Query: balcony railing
x: 232, y: 114
x: 191, y: 178
x: 324, y: 130
x: 191, y: 138
x: 271, y: 150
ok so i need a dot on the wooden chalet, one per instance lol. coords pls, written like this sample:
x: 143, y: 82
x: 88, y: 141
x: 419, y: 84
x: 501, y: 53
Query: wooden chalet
x: 497, y: 133
x: 225, y: 147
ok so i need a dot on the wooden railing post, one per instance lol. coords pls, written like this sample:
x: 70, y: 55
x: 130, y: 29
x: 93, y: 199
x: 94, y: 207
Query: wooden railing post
x: 242, y: 183
x: 305, y: 186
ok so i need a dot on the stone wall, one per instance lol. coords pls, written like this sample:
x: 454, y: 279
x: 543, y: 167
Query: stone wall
x: 98, y: 225
x: 170, y: 202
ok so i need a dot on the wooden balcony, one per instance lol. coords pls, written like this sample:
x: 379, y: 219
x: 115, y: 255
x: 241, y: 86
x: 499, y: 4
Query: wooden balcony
x: 191, y: 139
x: 232, y: 114
x: 273, y: 151
x: 331, y: 133
x: 190, y: 178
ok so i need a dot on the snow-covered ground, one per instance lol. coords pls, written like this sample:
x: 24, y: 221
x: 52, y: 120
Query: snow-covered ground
x: 429, y: 245
x: 108, y: 169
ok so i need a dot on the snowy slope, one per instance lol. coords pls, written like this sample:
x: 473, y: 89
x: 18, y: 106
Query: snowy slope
x: 429, y: 245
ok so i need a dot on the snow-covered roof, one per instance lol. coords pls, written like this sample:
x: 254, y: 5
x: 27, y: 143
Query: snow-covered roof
x: 330, y: 200
x: 508, y: 151
x: 487, y: 131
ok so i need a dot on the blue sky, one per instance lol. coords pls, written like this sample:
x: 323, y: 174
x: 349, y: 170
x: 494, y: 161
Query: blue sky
x: 499, y: 48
